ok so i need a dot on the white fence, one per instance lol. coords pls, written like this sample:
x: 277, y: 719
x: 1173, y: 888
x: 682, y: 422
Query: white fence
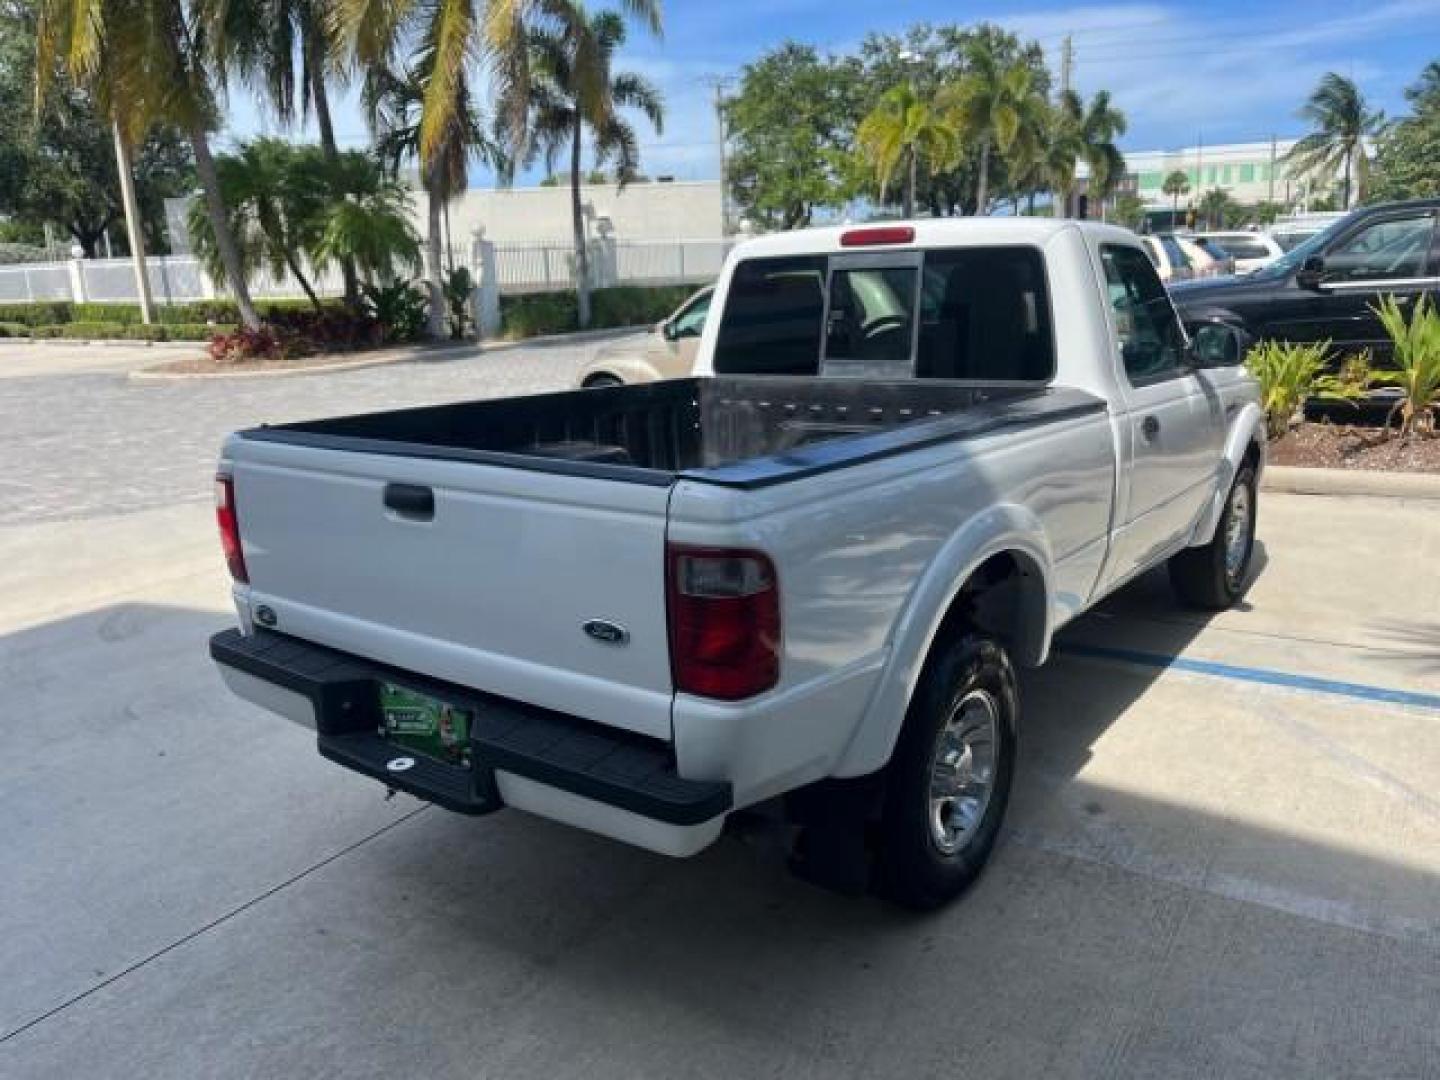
x: 507, y: 268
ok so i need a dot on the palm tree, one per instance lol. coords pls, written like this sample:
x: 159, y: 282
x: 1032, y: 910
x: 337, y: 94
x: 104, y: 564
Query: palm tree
x: 998, y: 106
x: 573, y: 87
x: 145, y: 61
x: 905, y: 129
x: 393, y: 106
x: 1099, y: 124
x: 1175, y: 185
x: 1051, y: 162
x: 1215, y: 206
x: 1341, y: 121
x: 275, y: 195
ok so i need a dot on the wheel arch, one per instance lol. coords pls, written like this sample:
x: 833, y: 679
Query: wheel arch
x: 1245, y: 444
x: 995, y: 574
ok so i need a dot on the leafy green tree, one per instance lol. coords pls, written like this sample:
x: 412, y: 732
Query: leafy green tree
x: 1217, y: 208
x: 145, y: 62
x: 1407, y: 156
x: 366, y: 219
x: 1098, y: 125
x: 1176, y: 184
x: 1128, y: 210
x: 905, y: 131
x: 57, y: 163
x: 1341, y: 121
x: 791, y: 135
x: 999, y: 107
x: 574, y: 87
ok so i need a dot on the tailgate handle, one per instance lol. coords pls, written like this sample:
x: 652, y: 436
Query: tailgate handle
x: 411, y: 500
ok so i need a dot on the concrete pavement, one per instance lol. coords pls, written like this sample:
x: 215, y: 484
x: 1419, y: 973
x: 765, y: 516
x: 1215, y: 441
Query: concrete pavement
x: 1202, y: 875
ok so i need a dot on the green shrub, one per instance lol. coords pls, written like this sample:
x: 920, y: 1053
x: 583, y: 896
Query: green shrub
x: 196, y: 331
x: 114, y: 313
x: 99, y: 330
x: 534, y: 314
x: 14, y: 329
x: 1288, y: 372
x: 635, y: 305
x: 37, y: 313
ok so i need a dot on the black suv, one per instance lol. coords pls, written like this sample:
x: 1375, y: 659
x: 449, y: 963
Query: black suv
x: 1326, y: 288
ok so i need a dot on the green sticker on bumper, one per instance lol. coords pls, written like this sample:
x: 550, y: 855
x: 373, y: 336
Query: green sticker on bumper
x: 425, y: 724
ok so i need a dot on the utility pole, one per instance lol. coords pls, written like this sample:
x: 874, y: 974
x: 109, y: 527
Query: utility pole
x: 132, y: 224
x: 1271, y: 198
x: 719, y: 83
x: 1067, y: 66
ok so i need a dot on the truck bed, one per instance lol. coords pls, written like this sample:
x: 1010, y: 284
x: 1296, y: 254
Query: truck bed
x: 744, y: 431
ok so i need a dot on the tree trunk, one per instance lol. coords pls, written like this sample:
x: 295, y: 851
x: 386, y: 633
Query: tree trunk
x: 1349, y: 157
x: 293, y: 264
x: 909, y: 210
x: 224, y: 241
x: 132, y: 225
x: 582, y: 256
x: 982, y: 187
x: 434, y: 204
x: 321, y: 99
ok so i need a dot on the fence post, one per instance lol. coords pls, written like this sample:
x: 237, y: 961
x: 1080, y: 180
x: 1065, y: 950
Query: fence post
x: 77, y: 281
x: 682, y: 260
x: 487, y: 295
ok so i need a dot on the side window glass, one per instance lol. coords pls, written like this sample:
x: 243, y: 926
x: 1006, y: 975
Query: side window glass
x: 691, y: 321
x: 985, y: 314
x: 1394, y: 248
x: 1152, y: 342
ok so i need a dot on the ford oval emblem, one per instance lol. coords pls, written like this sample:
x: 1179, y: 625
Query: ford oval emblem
x: 605, y: 631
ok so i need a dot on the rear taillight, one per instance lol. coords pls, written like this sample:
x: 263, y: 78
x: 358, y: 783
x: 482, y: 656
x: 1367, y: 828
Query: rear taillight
x: 229, y: 527
x: 724, y: 608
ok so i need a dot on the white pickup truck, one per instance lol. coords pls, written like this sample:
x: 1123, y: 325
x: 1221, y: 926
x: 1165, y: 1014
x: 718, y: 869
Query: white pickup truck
x: 911, y: 453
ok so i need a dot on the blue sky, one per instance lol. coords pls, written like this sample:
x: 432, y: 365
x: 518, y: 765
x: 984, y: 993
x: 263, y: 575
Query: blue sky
x: 1228, y: 71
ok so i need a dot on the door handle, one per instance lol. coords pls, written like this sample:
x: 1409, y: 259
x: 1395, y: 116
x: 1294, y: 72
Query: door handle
x: 1150, y: 428
x: 414, y: 501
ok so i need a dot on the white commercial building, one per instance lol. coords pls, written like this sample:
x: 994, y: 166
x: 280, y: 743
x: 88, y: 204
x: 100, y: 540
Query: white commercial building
x: 1249, y: 172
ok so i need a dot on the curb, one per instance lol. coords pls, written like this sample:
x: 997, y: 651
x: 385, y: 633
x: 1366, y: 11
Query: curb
x: 414, y: 355
x: 409, y: 356
x: 1296, y: 480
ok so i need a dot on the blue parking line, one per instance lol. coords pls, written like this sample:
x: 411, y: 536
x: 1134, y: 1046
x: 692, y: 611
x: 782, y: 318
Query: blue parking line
x: 1266, y: 676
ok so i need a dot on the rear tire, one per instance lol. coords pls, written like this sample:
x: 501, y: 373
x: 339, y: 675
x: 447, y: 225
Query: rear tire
x: 1215, y: 576
x: 948, y: 783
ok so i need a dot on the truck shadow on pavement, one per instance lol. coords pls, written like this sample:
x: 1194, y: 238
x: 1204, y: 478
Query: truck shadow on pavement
x: 1162, y: 894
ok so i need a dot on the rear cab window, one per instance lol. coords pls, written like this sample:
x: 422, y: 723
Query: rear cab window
x: 965, y: 313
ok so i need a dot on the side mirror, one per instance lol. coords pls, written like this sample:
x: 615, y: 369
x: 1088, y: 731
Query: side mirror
x: 667, y: 331
x: 1311, y: 272
x: 1217, y: 344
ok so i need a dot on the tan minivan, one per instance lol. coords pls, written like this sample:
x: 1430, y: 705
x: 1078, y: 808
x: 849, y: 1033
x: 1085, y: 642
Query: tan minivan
x: 666, y: 352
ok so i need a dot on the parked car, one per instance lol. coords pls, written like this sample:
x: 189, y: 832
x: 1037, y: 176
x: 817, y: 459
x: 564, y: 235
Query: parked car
x: 1250, y: 250
x: 1168, y: 256
x: 666, y: 352
x: 1291, y: 232
x: 910, y: 454
x: 1327, y: 288
x: 1207, y: 259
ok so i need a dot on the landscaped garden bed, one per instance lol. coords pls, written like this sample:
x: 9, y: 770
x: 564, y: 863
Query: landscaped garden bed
x: 1333, y: 446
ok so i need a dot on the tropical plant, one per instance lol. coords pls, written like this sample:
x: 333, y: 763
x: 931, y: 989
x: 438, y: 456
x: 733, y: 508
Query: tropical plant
x: 399, y: 308
x: 275, y: 194
x: 1129, y: 210
x: 1407, y: 154
x: 394, y: 107
x: 459, y: 295
x: 145, y: 61
x: 573, y: 87
x: 1053, y: 154
x: 1175, y: 185
x: 1416, y: 344
x: 1341, y: 122
x: 999, y: 108
x: 1287, y: 372
x: 1217, y: 208
x: 1099, y: 125
x: 372, y: 228
x: 906, y: 131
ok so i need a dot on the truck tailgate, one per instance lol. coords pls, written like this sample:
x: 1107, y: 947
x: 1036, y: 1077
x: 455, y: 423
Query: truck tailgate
x: 492, y: 591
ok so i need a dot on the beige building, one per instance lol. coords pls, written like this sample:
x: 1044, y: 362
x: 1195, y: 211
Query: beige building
x: 541, y: 215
